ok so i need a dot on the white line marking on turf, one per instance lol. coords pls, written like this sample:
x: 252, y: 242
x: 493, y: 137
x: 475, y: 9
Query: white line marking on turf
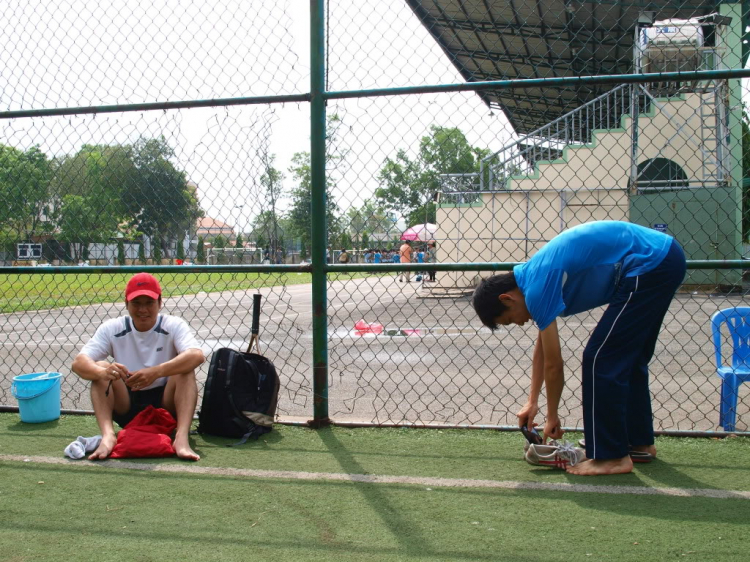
x: 375, y: 479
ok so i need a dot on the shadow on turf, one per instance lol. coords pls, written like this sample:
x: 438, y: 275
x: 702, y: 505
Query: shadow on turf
x: 23, y: 427
x: 411, y: 541
x: 331, y: 551
x: 407, y: 534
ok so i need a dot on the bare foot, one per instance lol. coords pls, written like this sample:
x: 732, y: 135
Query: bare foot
x: 596, y: 467
x: 650, y: 449
x: 183, y: 450
x: 105, y: 448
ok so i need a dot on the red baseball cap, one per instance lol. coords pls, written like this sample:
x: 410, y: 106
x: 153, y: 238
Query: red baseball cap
x: 142, y: 284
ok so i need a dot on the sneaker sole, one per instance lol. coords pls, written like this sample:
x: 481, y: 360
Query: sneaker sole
x: 641, y: 456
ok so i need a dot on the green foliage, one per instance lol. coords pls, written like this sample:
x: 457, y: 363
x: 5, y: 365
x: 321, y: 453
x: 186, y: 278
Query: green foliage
x: 80, y: 224
x: 121, y: 252
x: 271, y: 180
x: 267, y: 229
x: 124, y: 188
x: 219, y: 243
x: 238, y: 241
x: 345, y: 241
x: 300, y: 214
x: 409, y: 186
x: 24, y: 192
x: 180, y: 250
x: 156, y: 250
x: 141, y: 252
x: 160, y: 201
x: 200, y: 253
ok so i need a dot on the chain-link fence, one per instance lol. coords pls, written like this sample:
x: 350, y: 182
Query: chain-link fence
x: 188, y: 139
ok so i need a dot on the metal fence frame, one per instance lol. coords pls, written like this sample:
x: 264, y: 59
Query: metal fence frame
x: 318, y: 97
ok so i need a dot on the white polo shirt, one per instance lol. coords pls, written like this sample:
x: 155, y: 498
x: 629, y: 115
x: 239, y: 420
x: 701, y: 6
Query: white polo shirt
x: 118, y: 338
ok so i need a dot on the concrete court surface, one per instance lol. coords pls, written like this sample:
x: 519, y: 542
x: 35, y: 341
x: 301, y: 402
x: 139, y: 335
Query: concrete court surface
x: 448, y: 369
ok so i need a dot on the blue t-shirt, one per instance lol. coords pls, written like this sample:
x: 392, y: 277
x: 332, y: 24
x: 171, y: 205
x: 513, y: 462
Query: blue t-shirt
x: 580, y: 268
x: 396, y: 258
x: 378, y: 257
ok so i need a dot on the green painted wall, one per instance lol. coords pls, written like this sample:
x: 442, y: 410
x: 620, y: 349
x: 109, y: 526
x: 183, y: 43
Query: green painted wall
x: 698, y: 219
x: 708, y: 222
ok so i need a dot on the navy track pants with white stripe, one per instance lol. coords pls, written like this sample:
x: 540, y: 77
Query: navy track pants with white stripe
x: 616, y: 399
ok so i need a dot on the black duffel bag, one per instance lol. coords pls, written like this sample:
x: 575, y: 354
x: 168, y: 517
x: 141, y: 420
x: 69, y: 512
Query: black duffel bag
x: 241, y: 392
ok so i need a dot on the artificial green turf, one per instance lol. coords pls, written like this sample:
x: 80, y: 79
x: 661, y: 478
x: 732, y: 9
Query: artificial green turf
x: 48, y: 290
x: 476, y: 454
x: 91, y: 513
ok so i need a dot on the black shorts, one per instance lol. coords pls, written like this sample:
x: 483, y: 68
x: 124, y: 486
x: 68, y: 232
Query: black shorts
x: 139, y: 401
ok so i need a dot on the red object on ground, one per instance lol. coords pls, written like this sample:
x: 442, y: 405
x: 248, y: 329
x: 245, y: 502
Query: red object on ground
x: 147, y: 435
x: 363, y: 327
x: 179, y: 262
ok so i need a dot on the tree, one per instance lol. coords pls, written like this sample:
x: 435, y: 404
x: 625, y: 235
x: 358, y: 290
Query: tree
x: 161, y: 202
x: 267, y: 229
x: 238, y: 242
x: 200, y: 253
x: 300, y: 214
x: 220, y: 242
x: 24, y: 192
x: 271, y: 180
x: 409, y: 187
x: 120, y: 252
x: 80, y: 225
x: 130, y: 189
x: 156, y: 250
x: 180, y: 250
x: 100, y: 175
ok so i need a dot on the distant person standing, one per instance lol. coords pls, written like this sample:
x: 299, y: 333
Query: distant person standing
x: 368, y: 256
x: 431, y: 257
x: 405, y: 257
x: 377, y: 257
x: 344, y: 256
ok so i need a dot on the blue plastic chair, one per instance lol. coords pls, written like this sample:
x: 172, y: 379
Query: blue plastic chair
x: 737, y: 321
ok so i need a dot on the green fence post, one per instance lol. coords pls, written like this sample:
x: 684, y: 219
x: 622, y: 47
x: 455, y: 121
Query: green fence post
x: 319, y: 226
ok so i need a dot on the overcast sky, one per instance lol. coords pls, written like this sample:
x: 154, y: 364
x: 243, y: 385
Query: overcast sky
x: 73, y: 53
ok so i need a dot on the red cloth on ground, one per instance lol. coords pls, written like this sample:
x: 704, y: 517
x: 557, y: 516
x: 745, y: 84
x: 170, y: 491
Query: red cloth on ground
x: 147, y: 435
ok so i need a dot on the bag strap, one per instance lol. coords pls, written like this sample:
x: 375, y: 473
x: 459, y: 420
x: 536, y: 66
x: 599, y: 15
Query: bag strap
x: 238, y: 417
x: 245, y: 437
x: 254, y: 329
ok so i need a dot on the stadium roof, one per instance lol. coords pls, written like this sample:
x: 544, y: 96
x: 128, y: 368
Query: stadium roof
x: 507, y: 39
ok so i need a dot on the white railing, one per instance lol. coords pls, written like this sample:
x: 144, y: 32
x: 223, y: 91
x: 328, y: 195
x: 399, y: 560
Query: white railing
x: 548, y: 142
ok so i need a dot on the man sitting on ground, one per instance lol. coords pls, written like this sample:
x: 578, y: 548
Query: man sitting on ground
x: 154, y: 357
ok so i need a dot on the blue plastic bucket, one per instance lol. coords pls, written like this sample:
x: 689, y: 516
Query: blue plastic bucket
x: 38, y: 396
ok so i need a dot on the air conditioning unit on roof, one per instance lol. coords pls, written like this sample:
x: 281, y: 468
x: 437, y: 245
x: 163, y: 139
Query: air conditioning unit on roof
x: 672, y: 46
x: 673, y: 33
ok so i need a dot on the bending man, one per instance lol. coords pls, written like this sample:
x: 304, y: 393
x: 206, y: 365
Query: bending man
x: 154, y: 357
x: 634, y: 270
